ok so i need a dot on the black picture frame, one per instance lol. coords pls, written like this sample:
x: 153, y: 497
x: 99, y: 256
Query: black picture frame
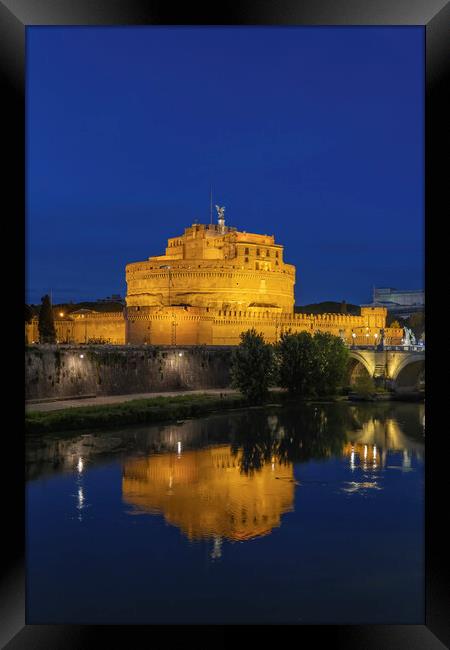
x: 434, y: 16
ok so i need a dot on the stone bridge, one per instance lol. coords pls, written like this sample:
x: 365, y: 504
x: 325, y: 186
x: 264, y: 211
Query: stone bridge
x: 400, y: 368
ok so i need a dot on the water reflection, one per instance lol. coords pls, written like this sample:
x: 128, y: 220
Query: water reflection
x: 232, y: 476
x: 299, y: 487
x: 206, y: 494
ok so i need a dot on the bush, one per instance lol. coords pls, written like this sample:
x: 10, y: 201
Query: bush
x: 253, y: 366
x: 364, y: 386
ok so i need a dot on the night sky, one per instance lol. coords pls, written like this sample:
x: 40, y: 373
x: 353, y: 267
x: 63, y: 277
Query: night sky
x: 314, y: 135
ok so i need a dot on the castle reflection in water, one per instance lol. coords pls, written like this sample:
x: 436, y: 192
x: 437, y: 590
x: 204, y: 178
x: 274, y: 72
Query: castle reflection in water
x: 232, y: 476
x: 205, y: 493
x: 209, y: 493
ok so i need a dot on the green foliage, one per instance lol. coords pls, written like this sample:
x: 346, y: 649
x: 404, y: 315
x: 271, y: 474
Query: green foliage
x: 252, y: 367
x: 157, y: 409
x: 364, y: 385
x: 296, y: 363
x: 331, y: 357
x: 47, y: 332
x: 417, y: 323
x: 311, y: 365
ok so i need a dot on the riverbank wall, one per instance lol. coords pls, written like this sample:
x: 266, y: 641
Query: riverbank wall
x: 55, y: 371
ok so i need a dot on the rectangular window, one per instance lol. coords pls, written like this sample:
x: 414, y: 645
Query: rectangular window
x: 258, y: 252
x: 246, y: 251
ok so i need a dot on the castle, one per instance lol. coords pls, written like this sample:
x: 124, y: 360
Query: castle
x: 212, y: 283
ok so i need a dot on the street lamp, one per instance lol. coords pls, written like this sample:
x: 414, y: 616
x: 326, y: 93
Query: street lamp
x: 353, y: 337
x: 375, y: 337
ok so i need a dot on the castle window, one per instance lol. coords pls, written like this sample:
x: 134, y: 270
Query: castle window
x: 246, y: 260
x: 258, y: 252
x: 246, y: 251
x: 257, y: 266
x: 276, y: 254
x: 267, y: 253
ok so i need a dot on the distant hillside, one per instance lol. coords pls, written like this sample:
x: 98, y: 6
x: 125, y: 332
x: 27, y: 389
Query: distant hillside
x: 328, y: 307
x: 67, y: 308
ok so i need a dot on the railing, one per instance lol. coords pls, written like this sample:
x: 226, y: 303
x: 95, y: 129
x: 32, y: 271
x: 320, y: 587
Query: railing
x: 381, y: 348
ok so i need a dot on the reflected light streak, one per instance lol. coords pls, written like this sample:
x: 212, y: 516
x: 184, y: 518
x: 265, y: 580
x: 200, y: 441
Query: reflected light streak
x: 80, y: 498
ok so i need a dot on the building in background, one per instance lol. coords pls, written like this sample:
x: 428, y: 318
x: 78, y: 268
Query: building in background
x: 399, y: 303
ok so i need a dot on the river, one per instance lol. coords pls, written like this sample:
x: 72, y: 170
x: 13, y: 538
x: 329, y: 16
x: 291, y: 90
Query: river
x: 306, y: 515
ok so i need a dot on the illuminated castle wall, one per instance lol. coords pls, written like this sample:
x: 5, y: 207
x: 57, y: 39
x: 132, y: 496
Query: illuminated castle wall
x: 212, y: 283
x: 214, y: 267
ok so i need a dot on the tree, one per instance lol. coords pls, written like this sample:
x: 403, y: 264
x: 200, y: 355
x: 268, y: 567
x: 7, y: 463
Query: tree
x: 252, y: 368
x: 417, y: 323
x: 47, y: 332
x: 331, y: 359
x: 311, y: 365
x: 296, y: 362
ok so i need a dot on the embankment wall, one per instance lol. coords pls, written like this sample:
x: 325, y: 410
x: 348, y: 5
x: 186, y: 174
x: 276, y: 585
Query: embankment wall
x: 63, y: 371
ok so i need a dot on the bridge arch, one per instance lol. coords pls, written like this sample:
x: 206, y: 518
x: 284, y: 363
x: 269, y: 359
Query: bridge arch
x: 358, y: 366
x: 410, y: 374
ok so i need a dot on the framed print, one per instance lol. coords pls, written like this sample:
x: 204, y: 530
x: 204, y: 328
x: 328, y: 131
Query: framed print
x: 224, y: 395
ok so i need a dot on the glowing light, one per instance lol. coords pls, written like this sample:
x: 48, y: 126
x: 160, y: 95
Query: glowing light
x: 354, y: 335
x: 178, y: 447
x: 81, y: 356
x: 80, y: 498
x: 80, y: 465
x: 352, y: 460
x: 365, y: 451
x: 376, y: 336
x: 180, y: 354
x: 217, y: 550
x: 61, y: 313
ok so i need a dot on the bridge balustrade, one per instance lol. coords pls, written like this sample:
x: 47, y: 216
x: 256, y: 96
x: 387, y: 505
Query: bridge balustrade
x: 377, y: 347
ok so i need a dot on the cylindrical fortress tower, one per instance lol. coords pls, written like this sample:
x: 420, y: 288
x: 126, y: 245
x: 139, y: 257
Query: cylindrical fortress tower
x: 214, y: 267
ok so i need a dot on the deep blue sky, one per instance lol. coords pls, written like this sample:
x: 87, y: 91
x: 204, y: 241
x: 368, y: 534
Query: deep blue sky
x: 314, y: 135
